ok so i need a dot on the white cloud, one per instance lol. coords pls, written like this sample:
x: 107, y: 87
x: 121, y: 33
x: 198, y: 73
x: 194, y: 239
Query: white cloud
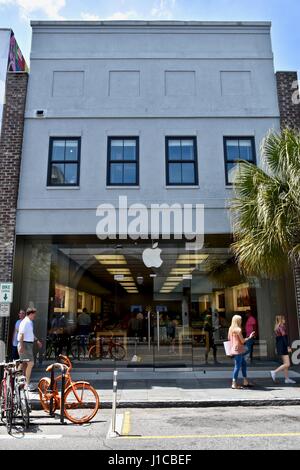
x: 89, y: 16
x: 119, y: 15
x: 50, y: 8
x: 163, y: 9
x: 126, y: 15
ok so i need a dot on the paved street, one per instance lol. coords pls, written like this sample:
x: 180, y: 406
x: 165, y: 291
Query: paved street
x: 162, y: 429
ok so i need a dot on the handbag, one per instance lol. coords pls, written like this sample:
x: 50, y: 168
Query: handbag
x: 227, y: 347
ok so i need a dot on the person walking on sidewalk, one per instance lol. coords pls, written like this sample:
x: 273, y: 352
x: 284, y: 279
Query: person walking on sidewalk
x: 26, y: 340
x: 283, y: 349
x: 15, y: 354
x: 237, y: 342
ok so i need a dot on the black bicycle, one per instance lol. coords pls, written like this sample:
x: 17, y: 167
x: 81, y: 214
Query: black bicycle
x: 14, y: 402
x: 80, y: 346
x: 56, y: 345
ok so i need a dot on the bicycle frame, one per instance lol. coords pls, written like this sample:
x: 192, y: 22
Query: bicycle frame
x: 3, y: 391
x: 50, y: 393
x: 11, y: 385
x: 104, y: 345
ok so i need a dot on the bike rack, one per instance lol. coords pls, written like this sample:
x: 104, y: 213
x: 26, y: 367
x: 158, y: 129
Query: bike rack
x: 63, y: 369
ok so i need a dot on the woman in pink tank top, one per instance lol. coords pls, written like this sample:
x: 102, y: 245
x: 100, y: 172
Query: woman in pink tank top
x: 238, y: 350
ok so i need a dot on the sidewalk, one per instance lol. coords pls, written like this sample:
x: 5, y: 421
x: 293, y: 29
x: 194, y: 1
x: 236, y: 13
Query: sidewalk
x: 165, y: 389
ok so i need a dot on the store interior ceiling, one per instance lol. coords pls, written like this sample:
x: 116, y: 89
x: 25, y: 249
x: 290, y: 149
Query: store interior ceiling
x: 125, y: 266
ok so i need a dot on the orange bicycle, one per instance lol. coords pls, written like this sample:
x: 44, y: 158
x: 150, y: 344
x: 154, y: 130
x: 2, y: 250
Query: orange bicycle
x: 108, y: 348
x: 80, y: 399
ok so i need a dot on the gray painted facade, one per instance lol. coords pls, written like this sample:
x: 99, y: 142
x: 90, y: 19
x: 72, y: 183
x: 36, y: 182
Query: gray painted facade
x: 145, y: 79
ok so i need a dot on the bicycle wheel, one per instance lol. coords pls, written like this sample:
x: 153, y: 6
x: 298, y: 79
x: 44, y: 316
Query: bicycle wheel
x: 50, y: 352
x: 45, y: 394
x: 2, y: 399
x: 25, y: 410
x: 81, y: 402
x: 77, y: 352
x: 93, y: 353
x: 117, y: 351
x: 9, y: 407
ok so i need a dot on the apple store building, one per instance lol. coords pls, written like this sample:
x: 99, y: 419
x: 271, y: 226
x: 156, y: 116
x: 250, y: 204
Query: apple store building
x: 140, y: 303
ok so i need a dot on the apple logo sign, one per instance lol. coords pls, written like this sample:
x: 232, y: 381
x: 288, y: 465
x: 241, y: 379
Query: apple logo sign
x: 151, y: 257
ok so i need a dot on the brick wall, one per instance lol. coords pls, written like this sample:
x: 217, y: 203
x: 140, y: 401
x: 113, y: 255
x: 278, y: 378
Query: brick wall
x: 289, y: 111
x: 11, y: 140
x: 297, y: 287
x: 289, y: 117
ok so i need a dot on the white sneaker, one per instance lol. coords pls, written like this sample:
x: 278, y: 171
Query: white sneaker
x: 289, y: 381
x: 273, y: 375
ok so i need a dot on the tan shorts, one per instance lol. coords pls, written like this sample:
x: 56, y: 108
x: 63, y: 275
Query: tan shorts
x: 27, y: 353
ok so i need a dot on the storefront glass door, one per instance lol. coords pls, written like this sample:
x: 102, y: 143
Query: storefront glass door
x: 172, y: 346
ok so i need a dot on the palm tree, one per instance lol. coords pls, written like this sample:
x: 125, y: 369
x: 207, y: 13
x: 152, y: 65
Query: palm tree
x: 266, y: 208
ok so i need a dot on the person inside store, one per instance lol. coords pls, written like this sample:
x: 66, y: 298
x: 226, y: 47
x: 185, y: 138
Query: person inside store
x: 58, y: 326
x: 223, y: 330
x: 210, y: 343
x: 84, y: 326
x: 84, y: 322
x: 250, y: 326
x: 98, y: 325
x: 215, y: 323
x: 171, y: 325
x: 133, y: 326
x: 125, y: 321
x: 140, y: 324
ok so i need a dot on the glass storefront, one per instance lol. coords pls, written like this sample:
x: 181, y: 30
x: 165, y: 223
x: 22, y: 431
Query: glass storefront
x: 135, y: 304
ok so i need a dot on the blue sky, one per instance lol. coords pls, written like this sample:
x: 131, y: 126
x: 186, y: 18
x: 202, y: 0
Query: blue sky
x: 284, y: 14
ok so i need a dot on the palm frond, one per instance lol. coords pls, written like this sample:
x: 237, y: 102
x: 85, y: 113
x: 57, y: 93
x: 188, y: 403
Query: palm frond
x: 265, y: 209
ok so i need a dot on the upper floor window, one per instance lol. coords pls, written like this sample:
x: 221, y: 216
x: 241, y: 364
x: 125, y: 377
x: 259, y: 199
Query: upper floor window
x: 122, y: 161
x: 181, y: 161
x: 237, y: 148
x: 64, y: 161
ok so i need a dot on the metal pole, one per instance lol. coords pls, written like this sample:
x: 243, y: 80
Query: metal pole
x: 153, y: 352
x: 114, y: 403
x: 51, y: 412
x: 62, y: 399
x: 149, y: 330
x: 157, y: 329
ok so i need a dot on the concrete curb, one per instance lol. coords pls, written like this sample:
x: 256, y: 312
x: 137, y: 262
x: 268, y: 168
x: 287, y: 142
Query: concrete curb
x: 35, y: 404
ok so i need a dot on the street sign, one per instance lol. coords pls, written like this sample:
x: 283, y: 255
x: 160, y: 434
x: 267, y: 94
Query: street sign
x: 6, y: 292
x: 4, y: 310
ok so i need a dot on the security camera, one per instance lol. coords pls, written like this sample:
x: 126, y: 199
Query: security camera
x: 40, y: 112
